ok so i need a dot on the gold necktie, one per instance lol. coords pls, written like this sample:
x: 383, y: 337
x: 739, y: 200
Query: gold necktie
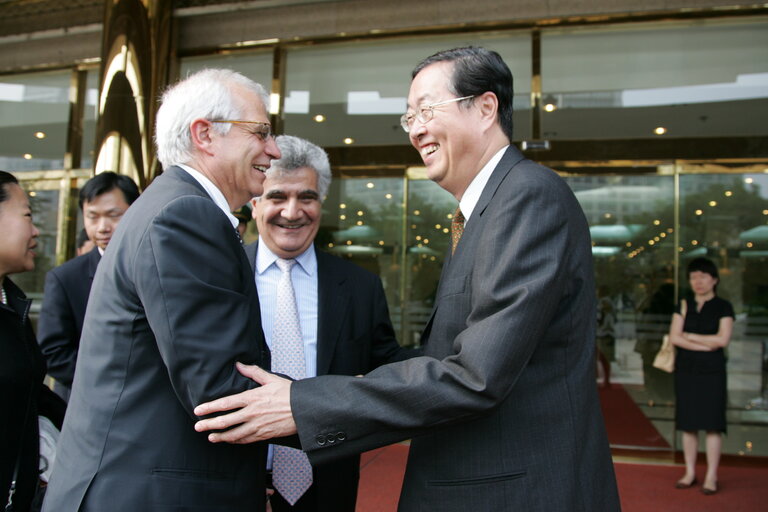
x: 457, y: 228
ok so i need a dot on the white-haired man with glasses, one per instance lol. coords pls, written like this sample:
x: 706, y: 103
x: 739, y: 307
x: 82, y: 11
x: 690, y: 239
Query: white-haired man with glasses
x: 502, y: 409
x: 172, y: 307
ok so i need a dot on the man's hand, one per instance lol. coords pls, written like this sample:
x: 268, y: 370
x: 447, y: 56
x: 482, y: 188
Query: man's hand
x: 262, y: 413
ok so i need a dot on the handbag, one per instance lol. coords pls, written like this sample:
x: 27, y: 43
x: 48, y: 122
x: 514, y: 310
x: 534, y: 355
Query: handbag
x: 665, y: 357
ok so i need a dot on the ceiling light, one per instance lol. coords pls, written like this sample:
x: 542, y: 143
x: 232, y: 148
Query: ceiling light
x: 319, y: 118
x: 40, y: 135
x: 349, y: 140
x: 660, y: 130
x: 550, y: 103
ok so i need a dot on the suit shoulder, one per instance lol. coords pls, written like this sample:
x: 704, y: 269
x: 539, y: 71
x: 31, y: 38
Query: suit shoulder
x: 341, y: 266
x: 72, y: 268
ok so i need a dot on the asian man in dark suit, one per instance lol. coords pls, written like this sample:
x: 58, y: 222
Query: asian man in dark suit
x: 172, y: 307
x: 103, y: 200
x: 342, y: 311
x: 503, y: 410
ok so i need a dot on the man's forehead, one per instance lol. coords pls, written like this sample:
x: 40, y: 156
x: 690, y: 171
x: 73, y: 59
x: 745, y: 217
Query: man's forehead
x: 430, y: 83
x: 114, y: 192
x: 252, y: 103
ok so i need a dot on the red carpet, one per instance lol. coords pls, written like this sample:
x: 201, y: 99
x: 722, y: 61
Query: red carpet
x: 650, y: 488
x: 625, y: 422
x: 381, y: 478
x: 642, y: 488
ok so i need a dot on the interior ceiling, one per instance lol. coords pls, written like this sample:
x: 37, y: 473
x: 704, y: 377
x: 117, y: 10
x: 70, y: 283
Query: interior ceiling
x: 26, y: 16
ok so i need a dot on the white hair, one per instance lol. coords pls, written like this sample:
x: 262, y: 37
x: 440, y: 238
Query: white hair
x: 206, y: 94
x: 297, y: 153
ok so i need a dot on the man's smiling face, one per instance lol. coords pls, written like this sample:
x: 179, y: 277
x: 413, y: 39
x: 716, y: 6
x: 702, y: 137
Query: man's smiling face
x: 447, y: 142
x: 288, y: 212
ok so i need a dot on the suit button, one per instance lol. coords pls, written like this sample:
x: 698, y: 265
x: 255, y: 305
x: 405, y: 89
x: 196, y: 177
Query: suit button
x: 331, y: 438
x: 321, y: 439
x: 341, y: 436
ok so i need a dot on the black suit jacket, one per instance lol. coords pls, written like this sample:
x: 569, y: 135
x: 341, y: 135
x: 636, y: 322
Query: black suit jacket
x: 61, y: 316
x: 503, y: 409
x: 354, y: 336
x: 172, y: 308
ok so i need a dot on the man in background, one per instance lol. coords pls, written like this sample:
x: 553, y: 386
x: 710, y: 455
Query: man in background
x: 103, y: 200
x: 243, y: 216
x: 343, y: 323
x: 83, y: 244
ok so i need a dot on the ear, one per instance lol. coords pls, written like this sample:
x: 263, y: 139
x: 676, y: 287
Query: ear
x: 201, y: 131
x: 253, y: 207
x: 488, y: 106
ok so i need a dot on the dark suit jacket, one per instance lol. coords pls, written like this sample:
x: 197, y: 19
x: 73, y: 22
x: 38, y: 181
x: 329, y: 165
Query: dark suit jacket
x: 172, y: 308
x: 354, y: 336
x: 24, y: 396
x: 61, y: 316
x: 503, y: 410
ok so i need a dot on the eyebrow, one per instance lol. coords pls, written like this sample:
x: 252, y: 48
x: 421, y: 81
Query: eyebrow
x: 304, y: 193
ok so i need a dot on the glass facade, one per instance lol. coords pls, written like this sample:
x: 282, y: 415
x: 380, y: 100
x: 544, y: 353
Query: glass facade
x: 34, y: 115
x: 697, y: 79
x: 344, y: 93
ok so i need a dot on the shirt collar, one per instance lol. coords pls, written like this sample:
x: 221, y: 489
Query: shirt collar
x: 266, y: 258
x: 212, y: 191
x: 472, y: 194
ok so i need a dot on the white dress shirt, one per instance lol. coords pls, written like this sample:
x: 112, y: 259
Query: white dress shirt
x: 472, y: 194
x: 212, y: 191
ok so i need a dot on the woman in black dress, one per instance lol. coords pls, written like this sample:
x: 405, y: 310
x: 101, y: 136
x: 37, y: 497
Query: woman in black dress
x: 700, y: 379
x: 22, y: 368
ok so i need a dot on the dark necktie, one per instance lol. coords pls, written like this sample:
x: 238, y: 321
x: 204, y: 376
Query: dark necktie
x: 457, y: 228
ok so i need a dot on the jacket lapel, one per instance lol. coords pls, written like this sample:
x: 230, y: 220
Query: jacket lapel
x: 510, y: 158
x: 94, y: 257
x: 332, y: 306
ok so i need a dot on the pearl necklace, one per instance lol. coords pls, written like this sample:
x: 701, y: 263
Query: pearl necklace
x: 5, y: 297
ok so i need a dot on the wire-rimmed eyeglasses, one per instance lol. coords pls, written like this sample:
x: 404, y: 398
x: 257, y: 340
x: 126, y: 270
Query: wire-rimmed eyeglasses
x: 426, y: 113
x: 263, y: 132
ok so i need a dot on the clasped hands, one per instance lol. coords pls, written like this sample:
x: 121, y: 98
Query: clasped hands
x: 256, y: 415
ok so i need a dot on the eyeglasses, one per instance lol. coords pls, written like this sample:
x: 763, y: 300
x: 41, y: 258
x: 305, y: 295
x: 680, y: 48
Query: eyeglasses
x: 426, y: 113
x: 263, y: 130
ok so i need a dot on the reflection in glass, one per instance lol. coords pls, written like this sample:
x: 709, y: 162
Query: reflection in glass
x: 709, y: 79
x: 45, y: 204
x: 361, y: 89
x: 32, y: 103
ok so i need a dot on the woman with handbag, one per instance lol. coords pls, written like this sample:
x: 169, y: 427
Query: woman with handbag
x: 700, y: 335
x: 22, y: 368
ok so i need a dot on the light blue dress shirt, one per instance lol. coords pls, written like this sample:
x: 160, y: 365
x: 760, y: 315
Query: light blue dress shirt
x: 304, y: 278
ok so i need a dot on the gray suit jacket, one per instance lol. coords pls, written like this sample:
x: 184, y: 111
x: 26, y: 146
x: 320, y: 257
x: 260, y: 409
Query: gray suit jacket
x: 503, y: 409
x: 354, y: 336
x: 172, y: 307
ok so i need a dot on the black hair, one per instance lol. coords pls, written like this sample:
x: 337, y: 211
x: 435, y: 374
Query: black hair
x: 476, y: 71
x: 6, y: 179
x: 105, y: 182
x: 82, y: 237
x: 703, y: 265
